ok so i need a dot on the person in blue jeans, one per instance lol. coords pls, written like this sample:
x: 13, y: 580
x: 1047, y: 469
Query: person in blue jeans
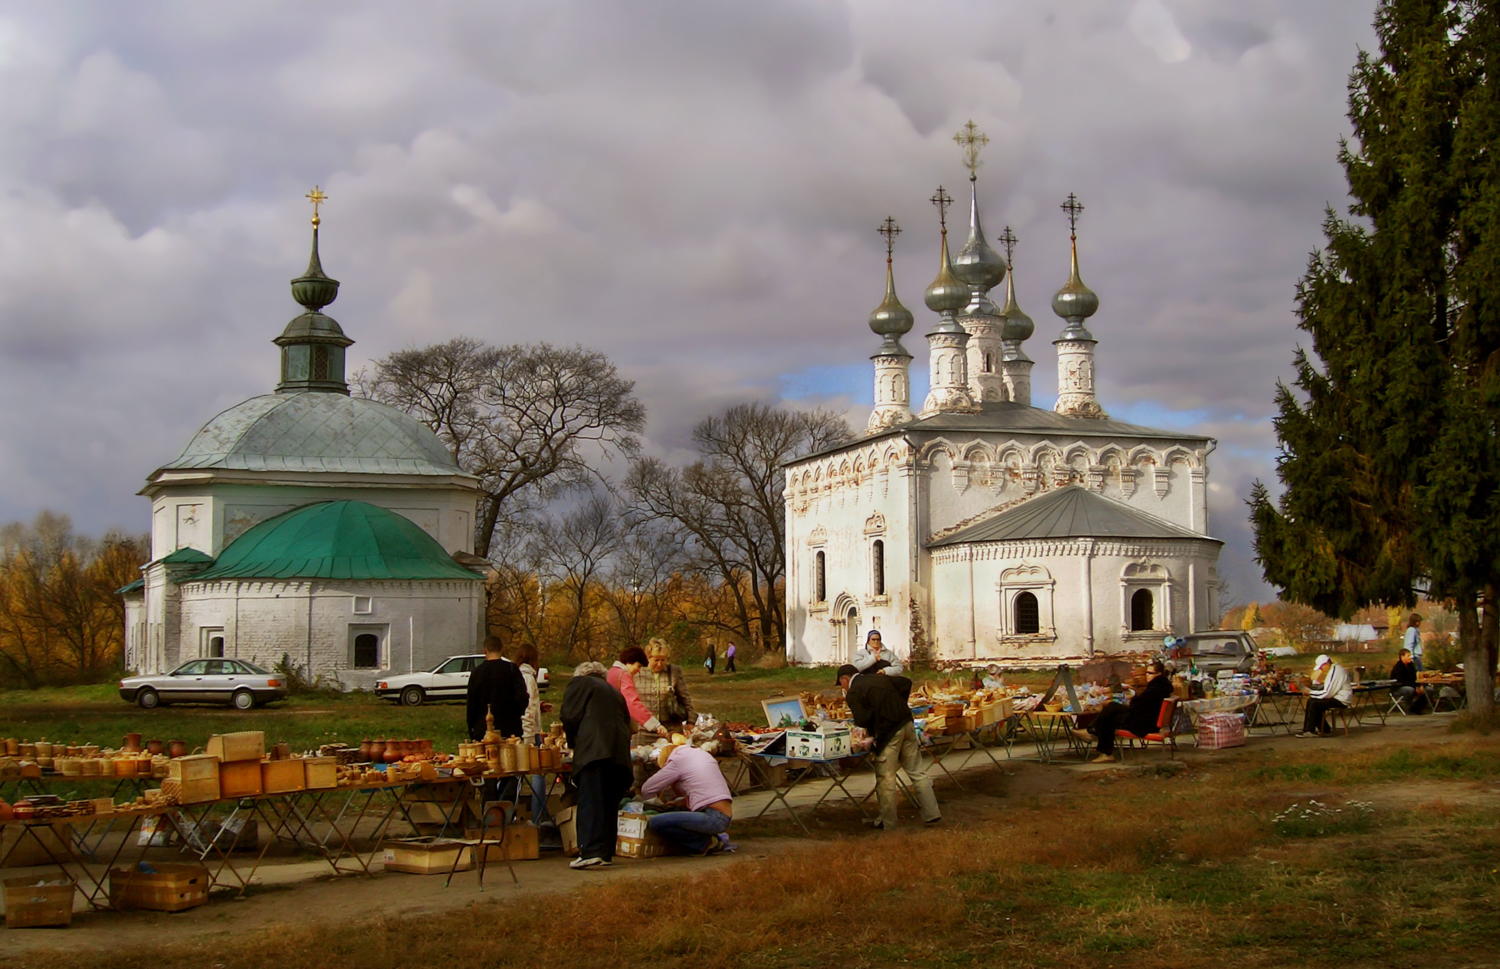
x: 1413, y: 640
x: 694, y: 775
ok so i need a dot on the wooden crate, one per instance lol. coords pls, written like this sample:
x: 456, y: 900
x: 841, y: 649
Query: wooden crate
x: 522, y: 842
x: 170, y: 888
x: 321, y: 772
x: 427, y: 856
x: 246, y: 745
x: 282, y: 776
x: 198, y: 767
x: 240, y: 778
x: 35, y: 901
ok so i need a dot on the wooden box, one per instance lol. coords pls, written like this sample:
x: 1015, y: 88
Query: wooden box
x: 427, y: 856
x: 282, y: 776
x: 247, y: 745
x: 522, y: 842
x: 240, y: 778
x: 35, y: 901
x: 170, y: 888
x: 320, y: 772
x: 193, y: 780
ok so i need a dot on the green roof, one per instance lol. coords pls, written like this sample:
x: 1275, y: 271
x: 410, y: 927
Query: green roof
x: 186, y: 556
x: 335, y: 540
x: 135, y: 586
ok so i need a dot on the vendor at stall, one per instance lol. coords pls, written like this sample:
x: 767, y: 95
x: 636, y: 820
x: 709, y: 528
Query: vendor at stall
x: 597, y: 723
x: 496, y: 686
x: 879, y: 704
x: 1407, y: 689
x: 694, y: 776
x: 622, y: 678
x: 662, y: 687
x: 1335, y: 692
x: 1139, y: 717
x: 873, y: 657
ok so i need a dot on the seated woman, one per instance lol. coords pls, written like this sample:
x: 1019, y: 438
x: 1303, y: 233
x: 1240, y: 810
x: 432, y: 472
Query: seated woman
x: 1407, y: 689
x: 1138, y: 718
x: 703, y: 828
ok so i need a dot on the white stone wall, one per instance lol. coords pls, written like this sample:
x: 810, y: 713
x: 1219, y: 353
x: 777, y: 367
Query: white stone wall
x: 313, y: 622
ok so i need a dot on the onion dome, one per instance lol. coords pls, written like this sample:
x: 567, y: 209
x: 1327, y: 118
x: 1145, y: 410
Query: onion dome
x: 891, y: 320
x: 1018, y: 326
x: 1075, y: 302
x: 947, y: 294
x: 976, y: 263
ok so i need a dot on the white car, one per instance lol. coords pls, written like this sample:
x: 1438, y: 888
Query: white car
x: 449, y: 680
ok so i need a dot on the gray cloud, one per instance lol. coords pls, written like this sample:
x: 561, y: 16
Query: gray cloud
x: 689, y: 186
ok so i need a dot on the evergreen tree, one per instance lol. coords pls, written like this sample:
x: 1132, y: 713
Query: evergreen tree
x: 1388, y: 444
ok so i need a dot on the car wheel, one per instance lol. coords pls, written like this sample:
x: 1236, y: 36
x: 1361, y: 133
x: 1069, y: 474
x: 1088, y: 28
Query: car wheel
x: 148, y: 699
x: 412, y: 696
x: 243, y: 700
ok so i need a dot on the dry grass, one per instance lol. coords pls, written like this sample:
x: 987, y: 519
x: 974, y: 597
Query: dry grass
x: 1180, y: 869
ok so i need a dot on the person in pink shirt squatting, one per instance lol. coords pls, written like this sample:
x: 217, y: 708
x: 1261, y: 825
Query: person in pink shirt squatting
x: 694, y: 775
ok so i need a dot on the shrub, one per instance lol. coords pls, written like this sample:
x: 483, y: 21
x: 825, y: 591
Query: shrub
x: 1441, y: 652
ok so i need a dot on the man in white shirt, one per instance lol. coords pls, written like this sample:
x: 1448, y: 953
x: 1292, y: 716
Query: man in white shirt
x: 1335, y: 693
x: 873, y: 652
x: 1413, y: 640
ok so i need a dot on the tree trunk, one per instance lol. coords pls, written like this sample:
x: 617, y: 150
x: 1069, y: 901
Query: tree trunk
x: 1479, y: 656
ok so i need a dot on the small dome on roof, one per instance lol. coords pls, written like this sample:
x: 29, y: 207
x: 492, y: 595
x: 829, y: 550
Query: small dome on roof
x: 316, y: 432
x: 335, y: 540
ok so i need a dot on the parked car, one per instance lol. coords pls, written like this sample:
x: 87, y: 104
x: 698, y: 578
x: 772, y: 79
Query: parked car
x: 449, y: 680
x: 237, y: 682
x: 1211, y: 652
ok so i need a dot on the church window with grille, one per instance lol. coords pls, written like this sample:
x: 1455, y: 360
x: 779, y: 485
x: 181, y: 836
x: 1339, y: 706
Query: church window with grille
x: 820, y: 579
x: 320, y: 363
x: 877, y: 566
x: 1028, y: 615
x: 1142, y: 611
x: 366, y: 651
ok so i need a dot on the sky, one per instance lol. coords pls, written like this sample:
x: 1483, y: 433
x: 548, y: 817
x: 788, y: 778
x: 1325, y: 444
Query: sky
x: 690, y: 186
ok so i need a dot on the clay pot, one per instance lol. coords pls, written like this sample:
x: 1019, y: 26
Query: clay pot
x: 394, y: 750
x: 154, y: 747
x: 377, y: 751
x: 177, y: 748
x: 132, y: 743
x: 364, y: 748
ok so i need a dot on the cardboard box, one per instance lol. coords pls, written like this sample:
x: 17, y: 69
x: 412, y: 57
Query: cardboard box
x: 170, y: 888
x: 282, y: 776
x: 825, y: 743
x: 567, y: 827
x: 38, y: 900
x: 247, y: 745
x: 193, y: 780
x: 27, y: 845
x: 427, y: 856
x: 240, y: 778
x: 321, y: 772
x: 429, y: 812
x: 522, y: 842
x: 634, y: 838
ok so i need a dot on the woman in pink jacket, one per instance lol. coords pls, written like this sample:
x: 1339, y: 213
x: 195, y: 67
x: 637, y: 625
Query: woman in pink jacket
x: 622, y: 678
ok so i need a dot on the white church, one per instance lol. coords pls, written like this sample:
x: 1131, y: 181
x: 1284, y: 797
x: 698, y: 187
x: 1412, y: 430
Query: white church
x: 1003, y: 531
x: 306, y: 523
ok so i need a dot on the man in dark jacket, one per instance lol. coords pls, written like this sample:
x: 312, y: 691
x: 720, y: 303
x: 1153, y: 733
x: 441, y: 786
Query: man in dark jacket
x: 496, y: 686
x: 1139, y: 718
x: 878, y: 703
x: 597, y: 722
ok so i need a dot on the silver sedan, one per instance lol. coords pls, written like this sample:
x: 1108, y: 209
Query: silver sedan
x: 234, y: 681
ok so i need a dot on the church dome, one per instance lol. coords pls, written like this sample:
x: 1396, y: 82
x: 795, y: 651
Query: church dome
x: 335, y: 540
x: 316, y: 432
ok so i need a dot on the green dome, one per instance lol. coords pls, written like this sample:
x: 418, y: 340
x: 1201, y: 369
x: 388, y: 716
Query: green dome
x: 335, y: 540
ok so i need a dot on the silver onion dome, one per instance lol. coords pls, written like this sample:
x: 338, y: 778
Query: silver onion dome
x: 891, y: 319
x: 1018, y: 326
x: 976, y: 263
x: 947, y: 294
x: 1075, y: 302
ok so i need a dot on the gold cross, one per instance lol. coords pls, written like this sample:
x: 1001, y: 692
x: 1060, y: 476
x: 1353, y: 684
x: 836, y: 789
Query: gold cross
x: 1008, y: 240
x: 972, y: 141
x: 890, y: 230
x: 1072, y: 206
x: 317, y: 198
x: 942, y: 200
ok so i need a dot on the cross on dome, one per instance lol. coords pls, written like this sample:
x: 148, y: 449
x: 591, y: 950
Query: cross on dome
x: 1008, y: 240
x: 317, y: 198
x: 890, y: 230
x: 972, y: 141
x: 942, y: 200
x: 1072, y: 206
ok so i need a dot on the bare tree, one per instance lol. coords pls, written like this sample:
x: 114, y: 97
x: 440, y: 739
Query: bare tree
x: 528, y: 420
x: 641, y: 583
x: 577, y: 548
x: 728, y: 510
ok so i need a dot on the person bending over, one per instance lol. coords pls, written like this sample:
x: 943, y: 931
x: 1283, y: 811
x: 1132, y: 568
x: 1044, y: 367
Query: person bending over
x: 1334, y: 694
x: 1139, y: 717
x: 703, y: 828
x: 1407, y: 689
x: 878, y: 704
x: 622, y: 678
x: 598, y: 728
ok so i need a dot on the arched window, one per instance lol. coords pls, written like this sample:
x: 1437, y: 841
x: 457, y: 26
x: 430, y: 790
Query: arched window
x: 366, y: 651
x: 989, y: 365
x: 1142, y: 611
x: 216, y: 646
x: 1028, y: 616
x: 820, y: 580
x: 877, y: 565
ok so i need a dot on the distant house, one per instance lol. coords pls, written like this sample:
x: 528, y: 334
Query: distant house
x: 1358, y: 632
